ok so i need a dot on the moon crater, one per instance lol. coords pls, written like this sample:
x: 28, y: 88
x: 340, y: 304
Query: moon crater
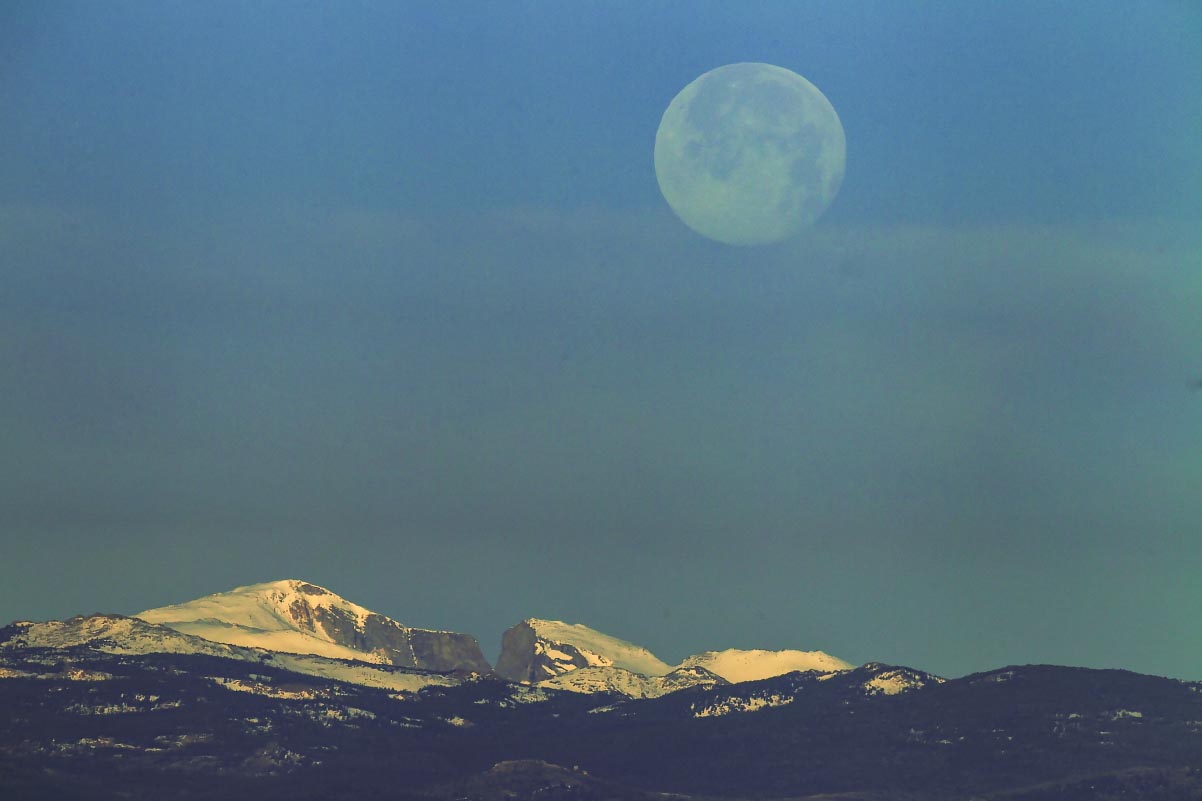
x: 749, y: 154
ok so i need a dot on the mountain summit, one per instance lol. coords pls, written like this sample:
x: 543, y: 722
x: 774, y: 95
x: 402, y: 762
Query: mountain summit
x: 295, y: 616
x: 737, y: 666
x: 535, y: 650
x: 568, y: 656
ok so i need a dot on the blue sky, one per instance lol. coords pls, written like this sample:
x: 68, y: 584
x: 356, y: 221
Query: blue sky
x: 384, y: 296
x: 948, y: 107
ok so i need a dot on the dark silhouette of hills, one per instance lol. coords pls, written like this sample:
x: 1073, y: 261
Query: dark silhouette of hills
x: 78, y: 723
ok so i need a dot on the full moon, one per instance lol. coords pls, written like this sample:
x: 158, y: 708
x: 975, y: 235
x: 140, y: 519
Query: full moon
x: 749, y: 154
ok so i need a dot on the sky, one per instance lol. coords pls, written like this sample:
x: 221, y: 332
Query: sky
x: 384, y: 296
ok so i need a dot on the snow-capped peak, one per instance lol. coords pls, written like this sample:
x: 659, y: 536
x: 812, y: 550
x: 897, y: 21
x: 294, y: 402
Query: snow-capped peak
x: 599, y: 650
x: 300, y: 617
x: 737, y: 666
x: 536, y: 649
x: 291, y: 615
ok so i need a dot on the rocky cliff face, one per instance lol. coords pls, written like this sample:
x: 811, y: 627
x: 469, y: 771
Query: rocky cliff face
x: 299, y: 617
x: 535, y: 650
x: 518, y: 660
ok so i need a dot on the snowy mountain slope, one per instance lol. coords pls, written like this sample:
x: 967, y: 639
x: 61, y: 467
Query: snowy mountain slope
x: 738, y: 666
x: 535, y: 650
x: 865, y: 682
x: 278, y: 616
x: 82, y: 723
x: 116, y: 634
x: 612, y: 679
x: 886, y: 680
x: 569, y: 656
x: 299, y: 617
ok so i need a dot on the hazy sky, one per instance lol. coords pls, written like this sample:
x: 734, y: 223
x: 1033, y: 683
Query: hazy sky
x: 384, y: 296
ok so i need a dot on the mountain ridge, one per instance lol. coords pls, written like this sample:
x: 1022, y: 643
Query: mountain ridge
x: 108, y: 707
x: 297, y: 616
x: 88, y: 723
x: 122, y: 635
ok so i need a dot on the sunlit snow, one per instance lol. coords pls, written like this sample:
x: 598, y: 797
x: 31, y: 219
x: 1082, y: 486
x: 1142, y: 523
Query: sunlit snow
x: 266, y: 616
x: 125, y: 635
x: 738, y: 666
x: 598, y: 649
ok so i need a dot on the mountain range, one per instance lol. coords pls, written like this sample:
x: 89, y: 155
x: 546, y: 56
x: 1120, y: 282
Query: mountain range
x: 286, y: 690
x: 302, y: 618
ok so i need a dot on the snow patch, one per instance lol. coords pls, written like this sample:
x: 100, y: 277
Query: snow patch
x: 618, y: 680
x: 894, y: 682
x: 1119, y: 714
x: 264, y: 689
x: 738, y: 705
x: 11, y: 673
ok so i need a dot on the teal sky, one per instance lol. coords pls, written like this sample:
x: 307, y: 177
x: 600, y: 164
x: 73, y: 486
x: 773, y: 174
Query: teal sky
x: 384, y: 296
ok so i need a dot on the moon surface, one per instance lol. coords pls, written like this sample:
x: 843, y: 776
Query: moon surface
x: 749, y: 154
